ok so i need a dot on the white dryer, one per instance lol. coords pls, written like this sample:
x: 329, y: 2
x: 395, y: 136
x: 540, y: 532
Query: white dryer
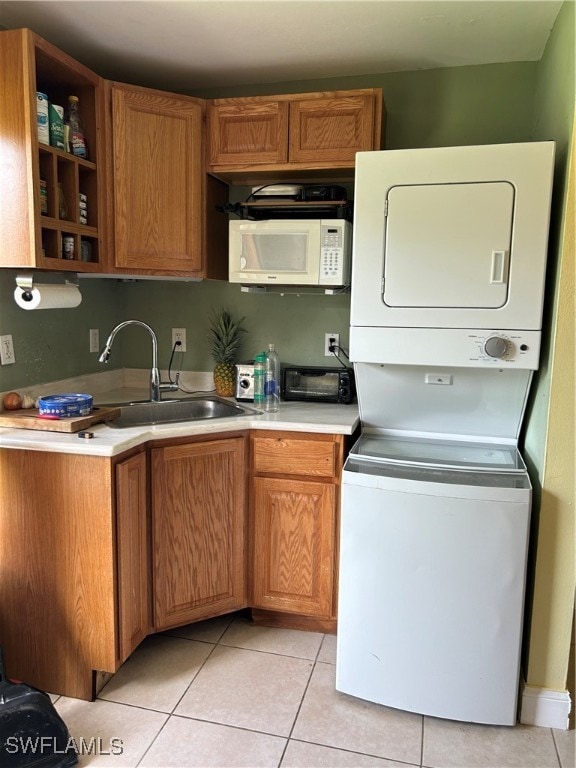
x: 451, y: 239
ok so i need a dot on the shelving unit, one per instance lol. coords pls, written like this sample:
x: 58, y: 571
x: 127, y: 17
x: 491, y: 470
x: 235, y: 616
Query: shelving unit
x: 29, y: 238
x: 66, y: 178
x: 290, y: 209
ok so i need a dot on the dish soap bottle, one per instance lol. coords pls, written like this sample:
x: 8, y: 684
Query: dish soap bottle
x: 259, y: 380
x: 272, y: 381
x: 76, y: 132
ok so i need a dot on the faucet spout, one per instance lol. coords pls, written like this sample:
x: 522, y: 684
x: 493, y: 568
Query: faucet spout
x: 156, y: 385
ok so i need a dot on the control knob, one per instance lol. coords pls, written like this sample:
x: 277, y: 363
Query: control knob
x: 496, y: 346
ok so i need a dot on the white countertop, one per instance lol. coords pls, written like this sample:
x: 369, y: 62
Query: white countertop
x: 109, y: 441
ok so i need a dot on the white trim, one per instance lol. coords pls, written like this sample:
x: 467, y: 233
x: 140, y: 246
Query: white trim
x: 549, y: 709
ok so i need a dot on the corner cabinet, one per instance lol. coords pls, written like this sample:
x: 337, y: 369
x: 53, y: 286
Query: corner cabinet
x: 161, y: 199
x: 74, y: 587
x: 198, y: 530
x: 28, y: 236
x: 294, y: 524
x: 316, y: 134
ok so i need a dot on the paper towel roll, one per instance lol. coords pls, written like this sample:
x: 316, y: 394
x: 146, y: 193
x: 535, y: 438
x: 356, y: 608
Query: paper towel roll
x: 48, y: 297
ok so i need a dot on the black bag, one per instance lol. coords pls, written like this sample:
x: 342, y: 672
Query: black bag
x: 32, y: 733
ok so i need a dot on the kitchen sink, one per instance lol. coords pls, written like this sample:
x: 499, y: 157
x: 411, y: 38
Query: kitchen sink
x: 141, y: 414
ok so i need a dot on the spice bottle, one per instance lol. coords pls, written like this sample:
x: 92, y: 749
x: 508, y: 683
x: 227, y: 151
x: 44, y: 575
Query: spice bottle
x: 76, y: 131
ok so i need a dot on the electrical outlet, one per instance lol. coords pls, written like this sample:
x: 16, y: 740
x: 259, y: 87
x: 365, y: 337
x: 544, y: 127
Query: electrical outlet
x: 330, y: 338
x: 7, y: 356
x: 179, y: 334
x: 94, y: 340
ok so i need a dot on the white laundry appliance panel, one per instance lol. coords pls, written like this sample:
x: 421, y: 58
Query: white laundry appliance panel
x: 431, y: 590
x: 448, y: 245
x: 470, y: 347
x: 451, y: 237
x: 443, y: 400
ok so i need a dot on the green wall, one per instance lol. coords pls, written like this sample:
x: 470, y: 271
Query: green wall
x: 549, y: 439
x: 454, y: 106
x: 553, y: 118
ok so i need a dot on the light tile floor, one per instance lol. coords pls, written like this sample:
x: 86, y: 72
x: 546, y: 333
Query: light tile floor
x: 226, y: 693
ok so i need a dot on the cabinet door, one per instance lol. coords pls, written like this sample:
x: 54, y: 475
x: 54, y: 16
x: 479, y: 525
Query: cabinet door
x: 332, y: 129
x: 248, y: 133
x: 157, y: 156
x: 132, y: 554
x: 294, y: 539
x: 199, y: 511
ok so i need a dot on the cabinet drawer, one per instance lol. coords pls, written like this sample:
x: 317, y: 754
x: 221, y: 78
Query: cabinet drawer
x: 289, y: 456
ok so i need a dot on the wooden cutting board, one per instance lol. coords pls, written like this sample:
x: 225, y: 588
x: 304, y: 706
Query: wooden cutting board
x: 29, y: 419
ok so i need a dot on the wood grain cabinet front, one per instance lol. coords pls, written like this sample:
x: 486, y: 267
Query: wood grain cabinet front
x: 133, y: 562
x: 198, y: 530
x: 260, y: 137
x: 73, y: 573
x: 41, y: 183
x: 164, y: 210
x: 294, y: 516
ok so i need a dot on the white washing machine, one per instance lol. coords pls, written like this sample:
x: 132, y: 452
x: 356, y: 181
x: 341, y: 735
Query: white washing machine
x: 432, y: 575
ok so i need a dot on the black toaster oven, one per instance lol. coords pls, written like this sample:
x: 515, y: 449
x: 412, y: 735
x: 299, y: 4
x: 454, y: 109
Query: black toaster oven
x: 317, y: 384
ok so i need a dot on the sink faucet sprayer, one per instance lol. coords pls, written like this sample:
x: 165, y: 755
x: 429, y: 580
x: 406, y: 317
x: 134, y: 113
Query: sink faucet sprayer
x: 156, y: 386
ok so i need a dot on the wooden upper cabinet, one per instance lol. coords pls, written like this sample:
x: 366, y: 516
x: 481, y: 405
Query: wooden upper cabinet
x: 157, y: 180
x: 331, y: 130
x: 249, y: 133
x: 31, y: 235
x: 262, y: 137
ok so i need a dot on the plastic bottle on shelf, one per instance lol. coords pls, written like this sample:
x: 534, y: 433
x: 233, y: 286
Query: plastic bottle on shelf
x: 259, y: 379
x: 272, y: 381
x: 76, y: 132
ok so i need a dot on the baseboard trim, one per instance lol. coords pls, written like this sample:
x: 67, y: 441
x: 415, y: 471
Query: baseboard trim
x: 548, y: 709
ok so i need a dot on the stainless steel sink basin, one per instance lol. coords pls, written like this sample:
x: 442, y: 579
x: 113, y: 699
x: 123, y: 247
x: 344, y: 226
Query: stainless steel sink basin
x: 174, y: 411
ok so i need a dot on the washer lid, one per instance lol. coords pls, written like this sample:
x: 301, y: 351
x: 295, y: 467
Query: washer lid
x: 439, y: 453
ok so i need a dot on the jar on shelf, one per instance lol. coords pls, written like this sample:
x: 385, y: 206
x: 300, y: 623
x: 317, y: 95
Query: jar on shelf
x: 43, y: 197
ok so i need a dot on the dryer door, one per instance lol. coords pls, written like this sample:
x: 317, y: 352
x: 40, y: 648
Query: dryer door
x: 448, y: 245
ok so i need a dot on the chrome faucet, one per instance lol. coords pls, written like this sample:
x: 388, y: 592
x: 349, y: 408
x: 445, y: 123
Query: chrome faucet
x: 156, y: 386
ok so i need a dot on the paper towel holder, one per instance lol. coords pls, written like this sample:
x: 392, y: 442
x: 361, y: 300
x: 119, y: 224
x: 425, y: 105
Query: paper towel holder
x: 26, y: 288
x: 25, y: 281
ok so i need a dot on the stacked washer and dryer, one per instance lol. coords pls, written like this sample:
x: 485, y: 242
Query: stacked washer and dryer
x: 449, y: 261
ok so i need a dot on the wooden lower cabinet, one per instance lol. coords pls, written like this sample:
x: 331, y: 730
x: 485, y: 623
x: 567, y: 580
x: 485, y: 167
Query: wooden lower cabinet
x: 132, y: 554
x: 294, y: 524
x: 293, y: 546
x: 97, y: 552
x: 198, y: 530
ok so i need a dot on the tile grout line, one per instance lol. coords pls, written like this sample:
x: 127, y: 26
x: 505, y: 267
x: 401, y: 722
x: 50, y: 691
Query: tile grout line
x: 314, y: 662
x: 422, y: 743
x: 556, y: 748
x: 171, y: 713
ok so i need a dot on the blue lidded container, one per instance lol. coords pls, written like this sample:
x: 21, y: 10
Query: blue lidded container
x: 68, y: 404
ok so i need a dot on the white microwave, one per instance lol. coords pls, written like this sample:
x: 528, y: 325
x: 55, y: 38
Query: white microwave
x: 290, y: 252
